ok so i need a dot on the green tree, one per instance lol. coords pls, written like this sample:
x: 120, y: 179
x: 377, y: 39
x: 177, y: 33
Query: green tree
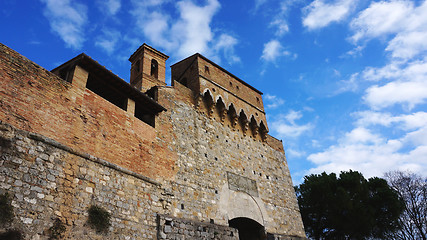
x: 348, y: 207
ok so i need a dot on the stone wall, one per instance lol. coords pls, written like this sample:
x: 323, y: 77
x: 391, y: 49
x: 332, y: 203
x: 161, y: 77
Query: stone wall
x: 48, y: 180
x: 180, y: 229
x: 207, y: 149
x: 64, y: 149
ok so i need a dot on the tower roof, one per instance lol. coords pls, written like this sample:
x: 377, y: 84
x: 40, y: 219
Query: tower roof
x: 221, y: 68
x: 162, y: 55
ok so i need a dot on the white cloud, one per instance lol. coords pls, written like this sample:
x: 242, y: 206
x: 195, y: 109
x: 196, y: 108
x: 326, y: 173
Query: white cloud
x: 369, y: 118
x: 286, y: 126
x: 271, y: 101
x: 67, y: 20
x: 281, y: 26
x: 286, y: 130
x: 417, y: 138
x: 259, y: 3
x: 152, y: 22
x: 361, y: 135
x: 410, y: 93
x: 404, y: 22
x: 279, y: 22
x: 350, y: 84
x: 369, y: 153
x: 111, y: 6
x: 390, y: 71
x: 404, y: 121
x: 226, y: 43
x: 294, y: 153
x: 320, y: 14
x: 292, y: 116
x: 408, y: 44
x: 380, y: 18
x: 273, y: 50
x: 193, y: 28
x: 108, y: 40
x: 384, y: 138
x: 191, y: 32
x: 406, y: 85
x: 356, y: 51
x: 363, y: 149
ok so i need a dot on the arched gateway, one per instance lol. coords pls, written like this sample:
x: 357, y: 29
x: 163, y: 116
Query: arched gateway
x: 248, y: 229
x: 245, y: 212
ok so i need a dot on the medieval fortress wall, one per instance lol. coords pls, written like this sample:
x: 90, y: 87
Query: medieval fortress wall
x: 184, y: 171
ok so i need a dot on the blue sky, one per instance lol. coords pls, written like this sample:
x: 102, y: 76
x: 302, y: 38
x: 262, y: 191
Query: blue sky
x: 344, y: 81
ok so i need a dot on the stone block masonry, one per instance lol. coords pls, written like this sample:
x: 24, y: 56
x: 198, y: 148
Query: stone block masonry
x: 175, y: 228
x: 201, y: 169
x: 48, y: 180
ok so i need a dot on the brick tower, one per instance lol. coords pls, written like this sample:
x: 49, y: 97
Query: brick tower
x: 148, y: 68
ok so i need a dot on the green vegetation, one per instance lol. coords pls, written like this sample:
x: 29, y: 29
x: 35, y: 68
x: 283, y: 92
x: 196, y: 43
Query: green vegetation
x: 57, y: 230
x: 12, y: 234
x: 6, y: 209
x: 348, y: 207
x: 99, y: 218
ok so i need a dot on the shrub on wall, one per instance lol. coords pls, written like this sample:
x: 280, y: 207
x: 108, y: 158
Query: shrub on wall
x: 13, y: 234
x: 57, y: 230
x: 6, y: 209
x: 99, y: 218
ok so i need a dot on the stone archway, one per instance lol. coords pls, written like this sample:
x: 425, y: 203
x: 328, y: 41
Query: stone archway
x: 235, y: 204
x: 248, y: 229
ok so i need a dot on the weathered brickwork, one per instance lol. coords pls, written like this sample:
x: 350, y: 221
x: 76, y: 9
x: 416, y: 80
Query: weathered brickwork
x: 142, y: 76
x: 36, y: 100
x: 65, y: 148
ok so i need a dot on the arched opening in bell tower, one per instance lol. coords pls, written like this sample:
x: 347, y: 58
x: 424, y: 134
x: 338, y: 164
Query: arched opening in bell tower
x: 248, y: 229
x: 154, y: 69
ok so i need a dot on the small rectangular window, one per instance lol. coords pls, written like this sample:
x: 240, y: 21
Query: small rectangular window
x: 143, y: 115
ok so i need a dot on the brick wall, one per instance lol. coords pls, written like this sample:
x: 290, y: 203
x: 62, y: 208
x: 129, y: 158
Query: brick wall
x: 36, y: 100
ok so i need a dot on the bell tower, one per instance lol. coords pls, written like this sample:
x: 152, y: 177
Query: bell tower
x: 148, y: 67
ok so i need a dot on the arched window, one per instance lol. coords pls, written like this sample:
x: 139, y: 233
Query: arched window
x: 137, y: 66
x: 154, y: 68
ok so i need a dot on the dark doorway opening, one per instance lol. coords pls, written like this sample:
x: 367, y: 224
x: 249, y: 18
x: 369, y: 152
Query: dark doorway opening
x: 248, y: 228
